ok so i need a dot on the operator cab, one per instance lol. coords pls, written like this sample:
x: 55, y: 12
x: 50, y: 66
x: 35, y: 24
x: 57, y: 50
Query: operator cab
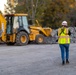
x: 17, y: 22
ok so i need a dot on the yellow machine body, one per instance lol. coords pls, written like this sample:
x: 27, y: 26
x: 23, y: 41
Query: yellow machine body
x: 14, y: 28
x: 36, y: 30
x: 2, y: 28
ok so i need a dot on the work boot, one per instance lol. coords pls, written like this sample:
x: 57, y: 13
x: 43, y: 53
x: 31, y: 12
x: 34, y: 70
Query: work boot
x: 67, y: 61
x: 63, y: 62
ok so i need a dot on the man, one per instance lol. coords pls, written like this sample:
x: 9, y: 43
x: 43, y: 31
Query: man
x: 64, y: 42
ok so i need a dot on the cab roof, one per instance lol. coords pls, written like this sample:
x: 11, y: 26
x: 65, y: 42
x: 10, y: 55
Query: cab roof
x: 16, y: 14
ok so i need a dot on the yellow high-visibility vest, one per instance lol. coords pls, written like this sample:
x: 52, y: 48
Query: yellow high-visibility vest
x: 63, y: 37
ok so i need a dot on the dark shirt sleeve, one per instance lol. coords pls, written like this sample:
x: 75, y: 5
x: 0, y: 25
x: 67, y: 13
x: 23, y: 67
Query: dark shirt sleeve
x: 57, y: 33
x: 69, y: 33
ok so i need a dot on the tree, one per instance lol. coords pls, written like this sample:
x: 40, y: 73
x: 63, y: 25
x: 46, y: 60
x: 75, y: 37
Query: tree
x: 48, y: 12
x: 9, y: 7
x: 58, y: 11
x: 72, y: 13
x: 20, y: 8
x: 34, y: 8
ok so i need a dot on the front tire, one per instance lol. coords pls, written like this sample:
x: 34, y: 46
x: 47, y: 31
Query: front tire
x: 22, y: 38
x: 40, y: 39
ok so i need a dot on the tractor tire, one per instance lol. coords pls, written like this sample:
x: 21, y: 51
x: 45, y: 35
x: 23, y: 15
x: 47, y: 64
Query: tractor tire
x: 40, y: 39
x: 22, y: 38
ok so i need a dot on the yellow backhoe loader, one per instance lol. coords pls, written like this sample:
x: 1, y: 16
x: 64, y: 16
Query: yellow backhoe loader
x: 14, y: 28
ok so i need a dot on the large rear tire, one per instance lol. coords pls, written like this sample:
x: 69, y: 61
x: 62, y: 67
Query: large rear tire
x: 22, y: 38
x: 40, y: 39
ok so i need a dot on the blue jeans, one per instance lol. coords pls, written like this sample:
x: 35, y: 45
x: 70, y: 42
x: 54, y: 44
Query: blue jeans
x: 64, y: 51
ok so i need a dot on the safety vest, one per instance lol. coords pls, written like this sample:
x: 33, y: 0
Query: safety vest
x: 63, y: 37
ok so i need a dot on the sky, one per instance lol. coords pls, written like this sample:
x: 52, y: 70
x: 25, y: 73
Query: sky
x: 2, y: 2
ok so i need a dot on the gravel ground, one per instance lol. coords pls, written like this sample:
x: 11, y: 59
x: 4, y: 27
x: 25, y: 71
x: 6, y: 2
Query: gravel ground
x: 35, y: 60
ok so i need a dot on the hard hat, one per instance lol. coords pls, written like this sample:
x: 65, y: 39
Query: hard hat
x: 64, y: 23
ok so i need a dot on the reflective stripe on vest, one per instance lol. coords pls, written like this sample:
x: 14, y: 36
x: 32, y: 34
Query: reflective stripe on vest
x: 63, y: 37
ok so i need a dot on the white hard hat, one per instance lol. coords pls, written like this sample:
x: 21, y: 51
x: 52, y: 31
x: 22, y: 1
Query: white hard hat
x: 64, y: 23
